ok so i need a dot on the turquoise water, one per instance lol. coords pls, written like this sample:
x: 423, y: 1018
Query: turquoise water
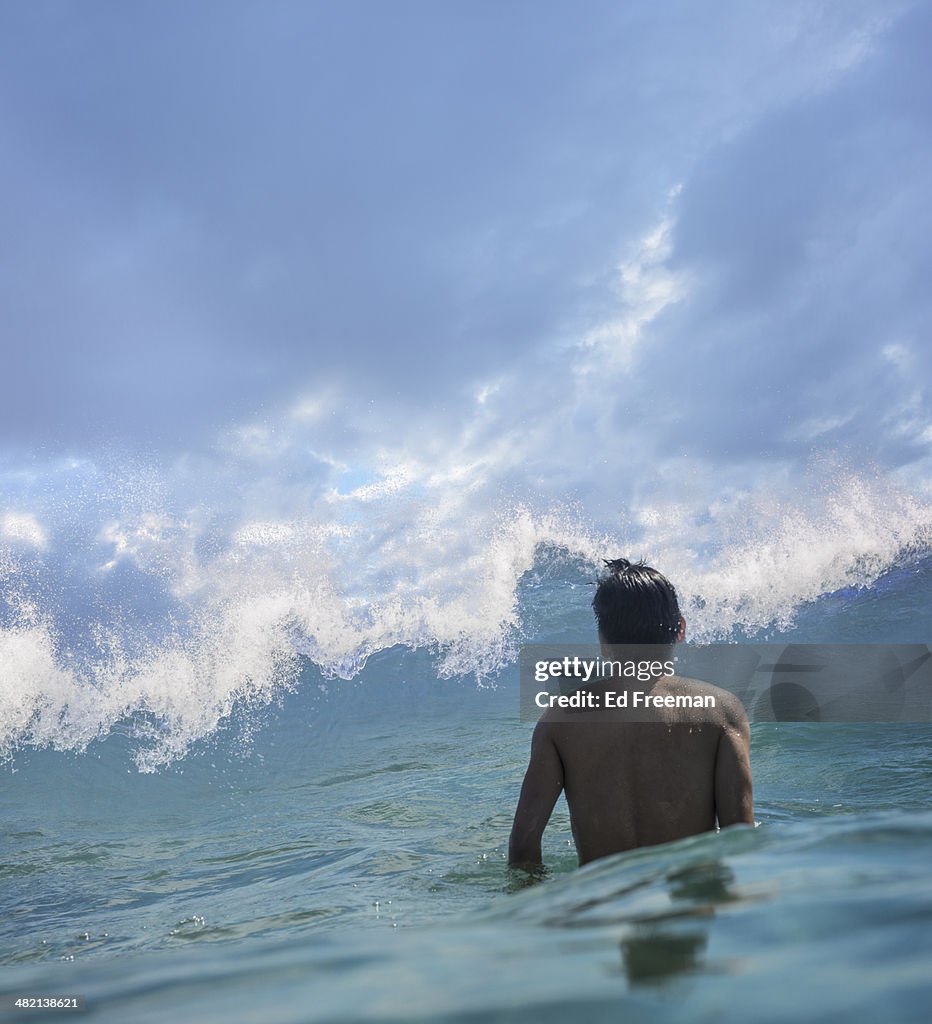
x: 338, y: 854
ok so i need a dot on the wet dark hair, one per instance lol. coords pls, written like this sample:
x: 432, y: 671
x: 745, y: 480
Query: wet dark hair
x: 635, y: 604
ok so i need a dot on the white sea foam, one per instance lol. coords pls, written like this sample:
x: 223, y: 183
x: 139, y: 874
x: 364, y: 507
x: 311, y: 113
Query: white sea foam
x: 765, y: 556
x: 244, y: 608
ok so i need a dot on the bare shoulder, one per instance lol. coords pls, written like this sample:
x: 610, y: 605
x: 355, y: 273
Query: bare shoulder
x: 546, y: 727
x: 554, y: 730
x: 729, y: 710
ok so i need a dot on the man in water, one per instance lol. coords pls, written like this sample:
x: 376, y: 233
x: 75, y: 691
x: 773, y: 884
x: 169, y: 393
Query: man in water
x: 637, y: 778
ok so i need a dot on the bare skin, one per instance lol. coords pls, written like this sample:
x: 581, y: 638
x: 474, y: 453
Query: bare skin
x: 636, y: 778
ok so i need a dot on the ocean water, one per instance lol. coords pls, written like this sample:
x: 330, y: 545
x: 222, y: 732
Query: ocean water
x: 293, y: 804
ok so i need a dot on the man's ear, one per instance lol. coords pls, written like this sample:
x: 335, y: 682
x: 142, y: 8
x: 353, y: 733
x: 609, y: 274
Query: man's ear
x: 681, y: 632
x: 603, y: 646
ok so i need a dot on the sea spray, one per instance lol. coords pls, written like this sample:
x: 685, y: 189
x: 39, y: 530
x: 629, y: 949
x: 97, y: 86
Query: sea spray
x: 171, y: 620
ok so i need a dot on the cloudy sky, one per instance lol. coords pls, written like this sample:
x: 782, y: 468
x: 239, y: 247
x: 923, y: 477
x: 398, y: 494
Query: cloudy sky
x: 269, y: 254
x: 321, y: 320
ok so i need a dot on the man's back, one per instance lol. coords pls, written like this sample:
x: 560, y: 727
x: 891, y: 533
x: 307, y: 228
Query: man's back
x: 644, y: 774
x: 637, y: 777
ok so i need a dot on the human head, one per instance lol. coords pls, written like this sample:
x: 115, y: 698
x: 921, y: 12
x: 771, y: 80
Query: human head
x: 635, y: 604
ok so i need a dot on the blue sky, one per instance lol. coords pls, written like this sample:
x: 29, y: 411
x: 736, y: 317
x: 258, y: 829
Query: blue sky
x: 365, y: 263
x: 319, y: 319
x: 219, y: 211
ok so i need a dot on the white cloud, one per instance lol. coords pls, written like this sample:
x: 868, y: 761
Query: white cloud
x: 647, y: 287
x: 640, y: 286
x: 23, y: 528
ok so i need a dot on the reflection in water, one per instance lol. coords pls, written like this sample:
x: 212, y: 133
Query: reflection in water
x: 655, y: 956
x: 659, y: 913
x: 708, y: 881
x: 659, y: 947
